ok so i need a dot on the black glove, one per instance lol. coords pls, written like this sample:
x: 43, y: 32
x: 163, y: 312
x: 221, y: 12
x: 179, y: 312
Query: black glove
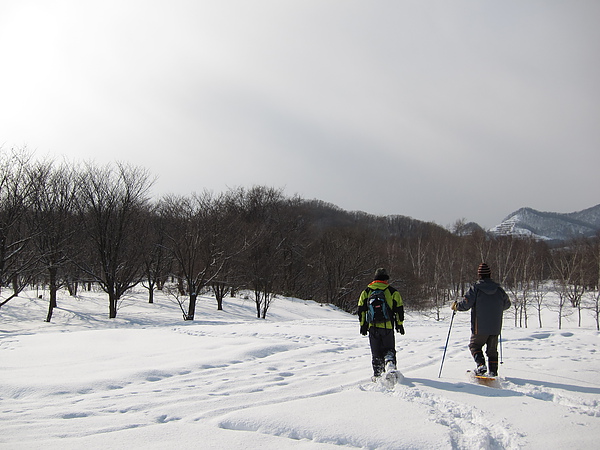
x: 364, y: 328
x: 400, y: 329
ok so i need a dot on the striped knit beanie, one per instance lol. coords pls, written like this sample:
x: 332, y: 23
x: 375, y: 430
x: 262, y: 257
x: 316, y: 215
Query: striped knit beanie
x: 484, y: 270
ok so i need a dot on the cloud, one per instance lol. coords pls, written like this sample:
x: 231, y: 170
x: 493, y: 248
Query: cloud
x: 465, y: 109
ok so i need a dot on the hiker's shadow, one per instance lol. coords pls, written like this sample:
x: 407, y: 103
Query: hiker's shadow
x: 504, y: 388
x: 460, y: 386
x: 552, y: 385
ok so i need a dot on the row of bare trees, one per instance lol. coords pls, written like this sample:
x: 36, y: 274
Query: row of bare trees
x: 65, y: 224
x: 62, y: 224
x: 529, y: 269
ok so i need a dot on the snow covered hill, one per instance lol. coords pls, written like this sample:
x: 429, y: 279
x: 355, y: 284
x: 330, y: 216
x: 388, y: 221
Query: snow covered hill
x: 550, y: 226
x: 299, y: 379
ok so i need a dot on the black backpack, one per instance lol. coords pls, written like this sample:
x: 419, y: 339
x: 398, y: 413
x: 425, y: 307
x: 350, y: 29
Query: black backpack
x: 378, y: 310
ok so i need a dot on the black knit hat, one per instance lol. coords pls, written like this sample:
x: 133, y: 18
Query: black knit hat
x: 484, y: 270
x: 381, y: 274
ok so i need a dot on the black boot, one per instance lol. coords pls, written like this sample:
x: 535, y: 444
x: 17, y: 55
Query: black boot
x: 378, y: 367
x: 480, y: 362
x: 390, y: 361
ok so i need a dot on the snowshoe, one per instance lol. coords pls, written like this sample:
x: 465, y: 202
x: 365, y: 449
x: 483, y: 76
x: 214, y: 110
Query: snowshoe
x: 485, y: 379
x: 391, y: 376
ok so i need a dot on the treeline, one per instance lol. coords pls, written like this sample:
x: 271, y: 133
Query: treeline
x: 62, y: 225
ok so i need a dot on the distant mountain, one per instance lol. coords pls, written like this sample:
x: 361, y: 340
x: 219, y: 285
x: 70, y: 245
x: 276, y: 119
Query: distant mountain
x: 550, y: 226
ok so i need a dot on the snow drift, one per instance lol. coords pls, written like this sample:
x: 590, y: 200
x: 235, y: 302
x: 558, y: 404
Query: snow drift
x: 299, y: 379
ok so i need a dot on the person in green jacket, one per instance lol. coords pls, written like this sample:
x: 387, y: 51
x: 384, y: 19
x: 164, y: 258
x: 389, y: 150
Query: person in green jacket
x: 381, y: 328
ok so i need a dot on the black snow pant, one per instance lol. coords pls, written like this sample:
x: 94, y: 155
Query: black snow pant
x: 383, y: 348
x: 491, y: 349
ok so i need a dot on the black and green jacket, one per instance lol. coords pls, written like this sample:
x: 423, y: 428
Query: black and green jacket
x: 393, y: 299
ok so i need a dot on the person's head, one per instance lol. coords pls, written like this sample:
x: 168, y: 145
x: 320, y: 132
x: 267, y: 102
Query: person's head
x: 381, y: 275
x: 484, y: 271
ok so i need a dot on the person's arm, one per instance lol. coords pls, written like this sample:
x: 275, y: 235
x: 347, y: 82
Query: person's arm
x: 467, y: 302
x: 398, y: 311
x: 362, y: 313
x: 506, y: 299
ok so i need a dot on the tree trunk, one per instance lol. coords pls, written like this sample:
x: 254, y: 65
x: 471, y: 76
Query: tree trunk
x: 220, y: 290
x: 192, y: 307
x: 15, y: 284
x: 112, y: 306
x: 257, y: 301
x: 53, y: 289
x: 50, y: 311
x: 72, y: 287
x: 150, y: 288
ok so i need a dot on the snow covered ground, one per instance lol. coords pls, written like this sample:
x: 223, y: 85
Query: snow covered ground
x: 299, y: 379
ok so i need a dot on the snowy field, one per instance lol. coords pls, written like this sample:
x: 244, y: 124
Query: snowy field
x: 299, y: 379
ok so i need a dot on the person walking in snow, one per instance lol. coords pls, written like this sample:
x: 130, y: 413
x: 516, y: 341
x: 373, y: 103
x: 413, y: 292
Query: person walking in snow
x: 487, y: 301
x: 380, y: 310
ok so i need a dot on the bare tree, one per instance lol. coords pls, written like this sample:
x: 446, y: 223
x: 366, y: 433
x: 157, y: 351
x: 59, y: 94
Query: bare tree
x: 157, y: 259
x: 111, y: 203
x: 196, y: 240
x: 484, y: 248
x: 462, y: 256
x: 418, y: 250
x: 597, y: 296
x: 439, y: 270
x: 51, y: 220
x: 570, y: 272
x: 220, y: 289
x: 592, y: 261
x: 518, y: 277
x: 17, y: 262
x: 539, y: 292
x: 259, y: 225
x: 564, y: 267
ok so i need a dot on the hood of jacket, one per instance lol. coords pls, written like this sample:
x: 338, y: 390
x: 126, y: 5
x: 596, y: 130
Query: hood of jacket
x: 378, y: 284
x: 487, y: 285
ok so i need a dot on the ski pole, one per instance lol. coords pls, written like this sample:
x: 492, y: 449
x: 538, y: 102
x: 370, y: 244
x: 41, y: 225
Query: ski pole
x: 446, y: 346
x: 500, y: 338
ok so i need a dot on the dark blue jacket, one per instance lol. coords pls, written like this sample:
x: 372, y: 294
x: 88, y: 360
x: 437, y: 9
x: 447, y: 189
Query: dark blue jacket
x: 487, y: 301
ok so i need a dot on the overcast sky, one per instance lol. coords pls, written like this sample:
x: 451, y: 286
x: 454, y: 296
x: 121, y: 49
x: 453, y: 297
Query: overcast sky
x: 437, y: 110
